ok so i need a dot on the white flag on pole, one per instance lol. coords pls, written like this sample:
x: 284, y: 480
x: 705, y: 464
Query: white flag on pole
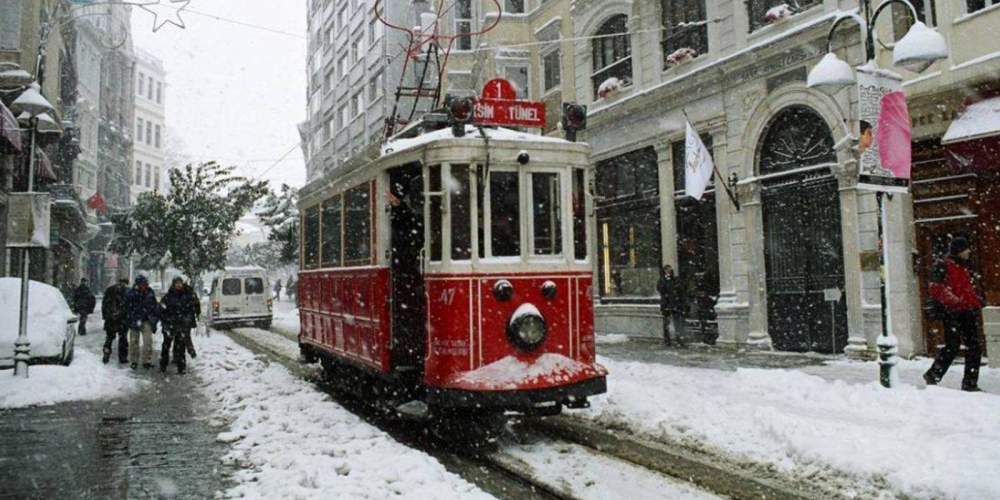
x: 697, y: 164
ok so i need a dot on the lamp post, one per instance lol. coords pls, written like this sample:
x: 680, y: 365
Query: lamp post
x: 36, y: 107
x: 916, y: 52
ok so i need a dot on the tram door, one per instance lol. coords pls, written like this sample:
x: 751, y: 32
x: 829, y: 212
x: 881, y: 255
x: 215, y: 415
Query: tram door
x: 408, y: 315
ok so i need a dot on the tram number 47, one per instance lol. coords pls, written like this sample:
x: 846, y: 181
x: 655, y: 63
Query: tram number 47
x: 447, y: 296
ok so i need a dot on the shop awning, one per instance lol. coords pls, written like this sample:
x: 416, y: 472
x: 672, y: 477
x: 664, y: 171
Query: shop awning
x: 43, y: 167
x: 973, y: 139
x: 10, y: 133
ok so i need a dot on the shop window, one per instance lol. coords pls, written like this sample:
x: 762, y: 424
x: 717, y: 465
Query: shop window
x: 357, y: 226
x: 629, y: 175
x: 332, y: 227
x: 460, y: 190
x: 546, y: 214
x: 310, y: 244
x: 579, y: 214
x: 505, y: 214
x: 684, y: 26
x: 612, y: 53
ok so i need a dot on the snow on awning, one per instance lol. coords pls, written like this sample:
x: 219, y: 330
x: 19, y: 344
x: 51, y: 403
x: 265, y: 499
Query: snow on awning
x: 973, y: 139
x: 10, y: 133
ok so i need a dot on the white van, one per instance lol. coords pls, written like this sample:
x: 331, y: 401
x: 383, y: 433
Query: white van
x: 240, y: 296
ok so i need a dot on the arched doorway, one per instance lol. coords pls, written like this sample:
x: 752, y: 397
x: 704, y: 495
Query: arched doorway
x: 803, y: 247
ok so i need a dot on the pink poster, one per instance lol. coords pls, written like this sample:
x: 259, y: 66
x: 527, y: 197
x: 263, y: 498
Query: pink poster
x: 893, y: 135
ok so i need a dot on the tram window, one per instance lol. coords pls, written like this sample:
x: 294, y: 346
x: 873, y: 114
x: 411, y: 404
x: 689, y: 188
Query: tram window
x: 461, y: 212
x: 310, y: 246
x: 436, y: 212
x: 546, y: 214
x: 505, y: 214
x: 357, y: 227
x: 332, y: 217
x: 579, y: 214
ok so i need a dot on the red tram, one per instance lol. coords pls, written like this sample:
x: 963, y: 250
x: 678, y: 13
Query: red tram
x: 455, y: 273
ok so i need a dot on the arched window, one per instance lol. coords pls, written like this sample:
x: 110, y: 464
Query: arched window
x: 612, y: 54
x: 797, y: 137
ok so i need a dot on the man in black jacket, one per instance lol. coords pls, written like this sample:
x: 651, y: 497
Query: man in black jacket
x: 671, y: 305
x: 179, y: 311
x: 83, y: 304
x: 115, y: 320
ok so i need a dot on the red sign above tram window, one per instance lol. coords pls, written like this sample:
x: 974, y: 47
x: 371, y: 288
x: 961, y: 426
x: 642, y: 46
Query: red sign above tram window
x: 502, y: 112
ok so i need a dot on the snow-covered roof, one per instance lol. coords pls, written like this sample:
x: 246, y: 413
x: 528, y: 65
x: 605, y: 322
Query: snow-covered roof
x: 471, y: 132
x: 979, y: 120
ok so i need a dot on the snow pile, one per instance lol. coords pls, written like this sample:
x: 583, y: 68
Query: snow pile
x: 919, y: 47
x: 831, y: 71
x: 510, y: 372
x: 294, y: 442
x: 608, y: 86
x: 471, y: 132
x: 924, y: 444
x: 286, y: 318
x: 681, y: 55
x: 981, y: 119
x: 85, y: 379
x: 47, y: 317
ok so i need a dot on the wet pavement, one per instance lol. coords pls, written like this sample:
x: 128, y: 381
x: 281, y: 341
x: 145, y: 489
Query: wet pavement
x: 157, y: 443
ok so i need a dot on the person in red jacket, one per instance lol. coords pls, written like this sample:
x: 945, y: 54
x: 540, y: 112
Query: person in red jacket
x: 951, y: 286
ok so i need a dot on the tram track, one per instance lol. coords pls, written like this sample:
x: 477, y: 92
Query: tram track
x: 506, y: 476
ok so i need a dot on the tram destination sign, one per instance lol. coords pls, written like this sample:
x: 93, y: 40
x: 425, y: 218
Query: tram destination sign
x: 499, y: 106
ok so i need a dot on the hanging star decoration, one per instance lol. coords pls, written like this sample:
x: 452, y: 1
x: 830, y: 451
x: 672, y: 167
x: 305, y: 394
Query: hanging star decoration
x: 165, y: 11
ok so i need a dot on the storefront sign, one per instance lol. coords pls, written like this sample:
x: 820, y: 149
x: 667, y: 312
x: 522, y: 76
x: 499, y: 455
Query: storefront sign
x: 28, y: 220
x: 884, y: 140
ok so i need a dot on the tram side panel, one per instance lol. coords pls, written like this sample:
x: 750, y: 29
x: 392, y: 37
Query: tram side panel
x: 344, y: 312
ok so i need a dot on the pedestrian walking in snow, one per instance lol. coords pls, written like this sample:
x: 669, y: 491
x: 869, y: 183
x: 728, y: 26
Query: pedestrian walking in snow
x: 277, y: 290
x: 143, y: 315
x: 115, y: 320
x: 671, y: 305
x: 179, y: 311
x: 290, y: 289
x: 952, y: 288
x: 83, y: 305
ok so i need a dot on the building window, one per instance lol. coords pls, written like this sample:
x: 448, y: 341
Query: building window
x: 552, y: 66
x: 149, y: 89
x: 149, y: 174
x: 375, y: 88
x: 374, y: 29
x: 156, y: 179
x: 684, y: 26
x: 157, y: 141
x: 342, y: 18
x: 463, y: 25
x: 342, y: 66
x: 149, y: 132
x: 977, y: 5
x: 357, y: 104
x: 757, y: 9
x: 513, y: 6
x: 344, y: 117
x: 138, y: 173
x: 628, y: 218
x: 330, y: 35
x: 518, y: 77
x: 332, y: 227
x: 612, y: 53
x: 357, y: 226
x: 356, y: 50
x: 142, y: 84
x: 159, y: 93
x: 10, y: 24
x: 138, y: 129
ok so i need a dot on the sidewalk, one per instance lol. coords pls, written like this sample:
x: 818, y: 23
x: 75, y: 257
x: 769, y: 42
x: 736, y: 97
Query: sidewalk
x: 156, y: 442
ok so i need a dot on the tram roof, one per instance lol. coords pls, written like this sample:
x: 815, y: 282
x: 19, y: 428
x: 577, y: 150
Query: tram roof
x: 471, y: 133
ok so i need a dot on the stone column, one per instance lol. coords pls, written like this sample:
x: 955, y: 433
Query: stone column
x: 904, y: 292
x: 991, y: 327
x: 668, y: 213
x: 857, y: 342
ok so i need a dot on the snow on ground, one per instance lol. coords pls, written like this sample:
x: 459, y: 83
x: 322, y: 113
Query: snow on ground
x: 934, y: 443
x: 560, y: 465
x: 280, y: 345
x: 86, y: 378
x: 292, y: 441
x: 286, y: 317
x: 612, y: 338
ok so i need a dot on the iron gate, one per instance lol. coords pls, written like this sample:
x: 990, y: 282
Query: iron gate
x: 804, y: 263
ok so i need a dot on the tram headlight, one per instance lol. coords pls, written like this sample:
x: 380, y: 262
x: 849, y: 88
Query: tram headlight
x: 527, y: 329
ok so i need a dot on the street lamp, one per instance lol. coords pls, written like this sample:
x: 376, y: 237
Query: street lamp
x: 916, y: 51
x: 32, y: 103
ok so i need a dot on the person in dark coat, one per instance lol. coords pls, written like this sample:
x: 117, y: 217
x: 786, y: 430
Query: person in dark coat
x: 952, y: 287
x: 115, y: 320
x: 179, y: 311
x: 290, y: 288
x: 277, y: 291
x: 671, y: 305
x: 143, y: 314
x: 83, y: 304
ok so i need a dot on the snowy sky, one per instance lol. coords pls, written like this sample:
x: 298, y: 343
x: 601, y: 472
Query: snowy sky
x: 235, y: 92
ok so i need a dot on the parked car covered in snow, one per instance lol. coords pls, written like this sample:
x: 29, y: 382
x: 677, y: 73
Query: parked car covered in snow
x: 51, y: 323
